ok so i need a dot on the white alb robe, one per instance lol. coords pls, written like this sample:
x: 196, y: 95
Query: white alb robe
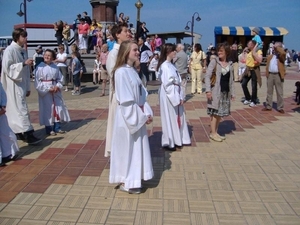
x: 16, y: 83
x: 110, y: 64
x: 174, y: 126
x: 8, y: 140
x: 130, y: 159
x: 47, y: 76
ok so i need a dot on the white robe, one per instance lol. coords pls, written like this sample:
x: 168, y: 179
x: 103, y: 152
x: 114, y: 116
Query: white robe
x: 130, y: 160
x: 8, y: 140
x: 174, y: 126
x: 47, y: 76
x: 16, y: 83
x: 110, y: 64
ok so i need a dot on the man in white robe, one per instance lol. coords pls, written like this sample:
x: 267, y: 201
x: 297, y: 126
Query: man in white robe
x: 15, y: 78
x: 8, y: 140
x: 174, y: 126
x: 120, y: 34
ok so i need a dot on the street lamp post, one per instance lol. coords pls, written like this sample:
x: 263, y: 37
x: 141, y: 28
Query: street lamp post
x: 138, y: 5
x: 21, y: 13
x: 192, y: 25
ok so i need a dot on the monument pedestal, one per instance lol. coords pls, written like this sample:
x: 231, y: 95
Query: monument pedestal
x: 104, y: 11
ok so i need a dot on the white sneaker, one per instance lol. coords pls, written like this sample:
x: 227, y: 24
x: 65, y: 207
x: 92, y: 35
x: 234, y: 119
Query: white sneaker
x: 246, y: 102
x: 76, y: 93
x: 252, y: 104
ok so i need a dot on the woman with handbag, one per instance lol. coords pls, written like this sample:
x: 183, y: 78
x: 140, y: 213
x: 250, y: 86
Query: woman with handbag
x: 197, y: 66
x: 220, y: 94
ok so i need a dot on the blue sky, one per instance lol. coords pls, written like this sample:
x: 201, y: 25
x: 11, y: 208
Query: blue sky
x: 169, y: 16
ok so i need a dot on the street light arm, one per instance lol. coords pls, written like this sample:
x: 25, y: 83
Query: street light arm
x: 192, y: 25
x: 198, y: 17
x: 187, y: 25
x: 196, y: 13
x: 20, y: 13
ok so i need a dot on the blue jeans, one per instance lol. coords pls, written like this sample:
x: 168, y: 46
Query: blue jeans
x: 56, y: 127
x: 76, y: 79
x: 66, y: 43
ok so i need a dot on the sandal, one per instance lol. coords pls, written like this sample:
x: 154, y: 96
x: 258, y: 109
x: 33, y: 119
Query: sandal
x: 130, y: 190
x: 215, y: 138
x: 102, y: 95
x: 222, y: 137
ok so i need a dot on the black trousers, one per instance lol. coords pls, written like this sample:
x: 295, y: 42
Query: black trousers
x: 245, y: 81
x: 144, y: 70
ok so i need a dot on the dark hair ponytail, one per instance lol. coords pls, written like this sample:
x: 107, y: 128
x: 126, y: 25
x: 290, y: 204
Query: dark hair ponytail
x: 165, y: 50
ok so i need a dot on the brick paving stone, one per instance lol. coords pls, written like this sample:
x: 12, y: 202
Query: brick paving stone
x: 250, y: 178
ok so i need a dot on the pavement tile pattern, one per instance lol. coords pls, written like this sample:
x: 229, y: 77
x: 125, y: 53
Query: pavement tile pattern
x: 253, y: 177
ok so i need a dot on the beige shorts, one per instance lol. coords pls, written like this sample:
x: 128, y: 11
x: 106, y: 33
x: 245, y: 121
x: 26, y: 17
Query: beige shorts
x: 104, y: 74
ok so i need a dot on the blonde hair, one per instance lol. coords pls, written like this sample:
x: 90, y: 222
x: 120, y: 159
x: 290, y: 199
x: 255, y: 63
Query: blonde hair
x: 122, y: 57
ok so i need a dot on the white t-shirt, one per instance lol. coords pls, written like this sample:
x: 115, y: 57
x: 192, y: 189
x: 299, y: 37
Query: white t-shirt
x: 62, y: 56
x: 153, y: 64
x: 145, y: 56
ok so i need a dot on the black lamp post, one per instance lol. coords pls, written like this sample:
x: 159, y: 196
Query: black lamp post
x: 138, y: 5
x: 21, y: 13
x: 192, y: 25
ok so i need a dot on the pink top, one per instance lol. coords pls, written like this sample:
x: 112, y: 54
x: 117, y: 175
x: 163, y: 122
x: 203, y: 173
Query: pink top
x: 158, y: 42
x: 103, y: 57
x: 83, y: 28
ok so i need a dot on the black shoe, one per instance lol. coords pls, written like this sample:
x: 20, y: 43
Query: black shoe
x: 167, y: 148
x: 20, y: 136
x: 6, y: 159
x: 94, y: 83
x: 31, y: 139
x: 9, y: 158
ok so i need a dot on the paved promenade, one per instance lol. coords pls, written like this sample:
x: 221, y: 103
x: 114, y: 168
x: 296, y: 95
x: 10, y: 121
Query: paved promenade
x: 253, y: 177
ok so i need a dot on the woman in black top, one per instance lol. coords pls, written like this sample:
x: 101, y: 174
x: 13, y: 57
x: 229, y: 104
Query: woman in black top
x: 220, y: 94
x: 58, y: 27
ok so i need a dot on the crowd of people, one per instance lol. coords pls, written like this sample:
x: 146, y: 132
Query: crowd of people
x: 128, y: 65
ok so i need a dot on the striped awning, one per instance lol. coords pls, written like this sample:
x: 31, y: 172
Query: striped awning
x: 246, y: 31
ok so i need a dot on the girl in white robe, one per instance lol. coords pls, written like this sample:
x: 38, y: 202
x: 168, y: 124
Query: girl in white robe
x: 48, y: 83
x: 130, y: 160
x: 174, y: 127
x: 8, y: 141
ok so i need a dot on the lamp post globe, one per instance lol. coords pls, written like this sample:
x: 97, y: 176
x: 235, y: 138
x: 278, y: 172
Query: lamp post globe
x: 138, y: 6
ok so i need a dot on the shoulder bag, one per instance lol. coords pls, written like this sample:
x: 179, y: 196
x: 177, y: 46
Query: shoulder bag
x: 213, y: 76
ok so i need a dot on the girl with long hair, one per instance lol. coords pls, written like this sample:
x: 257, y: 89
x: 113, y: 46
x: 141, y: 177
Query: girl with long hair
x: 130, y: 160
x: 174, y: 127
